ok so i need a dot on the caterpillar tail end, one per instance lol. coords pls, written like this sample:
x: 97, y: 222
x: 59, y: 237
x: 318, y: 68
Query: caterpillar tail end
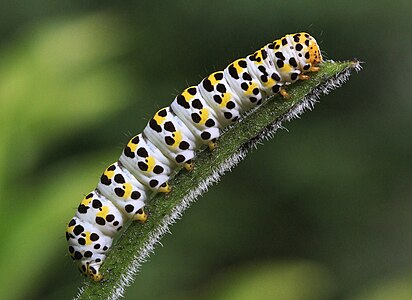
x: 165, y: 188
x: 96, y: 277
x: 91, y: 270
x: 141, y: 216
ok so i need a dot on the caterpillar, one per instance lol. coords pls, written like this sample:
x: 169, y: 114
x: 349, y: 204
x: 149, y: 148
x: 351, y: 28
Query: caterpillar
x: 171, y: 138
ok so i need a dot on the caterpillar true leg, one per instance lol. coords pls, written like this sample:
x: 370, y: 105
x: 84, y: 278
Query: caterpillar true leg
x: 212, y: 144
x: 284, y: 94
x: 189, y: 165
x: 140, y: 216
x: 165, y: 188
x: 314, y: 69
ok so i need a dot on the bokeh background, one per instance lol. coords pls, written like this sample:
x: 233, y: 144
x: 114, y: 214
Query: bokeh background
x: 323, y: 211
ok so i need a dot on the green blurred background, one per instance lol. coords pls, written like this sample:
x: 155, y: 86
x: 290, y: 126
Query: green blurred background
x: 323, y: 211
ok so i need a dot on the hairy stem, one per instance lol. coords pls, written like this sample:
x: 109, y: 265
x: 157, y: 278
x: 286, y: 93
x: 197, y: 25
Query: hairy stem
x: 138, y: 241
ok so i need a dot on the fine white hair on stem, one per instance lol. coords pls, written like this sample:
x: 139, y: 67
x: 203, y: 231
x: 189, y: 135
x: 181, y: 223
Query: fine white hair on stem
x: 307, y: 103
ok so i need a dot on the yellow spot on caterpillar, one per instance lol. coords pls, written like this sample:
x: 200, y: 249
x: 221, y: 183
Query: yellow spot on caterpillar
x: 177, y: 138
x: 87, y: 238
x: 225, y: 99
x: 86, y: 201
x: 70, y: 229
x: 151, y: 162
x: 287, y: 68
x: 238, y: 68
x: 103, y: 213
x: 132, y: 145
x: 127, y: 190
x: 109, y: 173
x: 259, y: 55
x: 291, y: 37
x: 158, y: 118
x: 271, y: 82
x: 212, y: 78
x: 204, y: 116
x: 249, y: 91
x: 187, y: 95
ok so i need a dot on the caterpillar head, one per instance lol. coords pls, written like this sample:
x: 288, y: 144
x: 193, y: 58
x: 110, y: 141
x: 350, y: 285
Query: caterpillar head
x: 315, y: 56
x: 91, y: 268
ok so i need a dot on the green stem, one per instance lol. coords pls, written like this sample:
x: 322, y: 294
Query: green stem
x: 138, y: 241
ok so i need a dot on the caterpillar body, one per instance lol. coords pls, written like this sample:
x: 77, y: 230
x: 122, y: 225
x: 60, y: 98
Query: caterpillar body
x: 171, y: 138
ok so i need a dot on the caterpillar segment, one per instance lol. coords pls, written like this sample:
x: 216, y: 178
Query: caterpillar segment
x: 88, y: 245
x: 221, y: 98
x: 171, y: 138
x: 169, y: 134
x: 123, y: 189
x: 147, y: 163
x: 243, y: 84
x: 263, y: 69
x: 197, y: 115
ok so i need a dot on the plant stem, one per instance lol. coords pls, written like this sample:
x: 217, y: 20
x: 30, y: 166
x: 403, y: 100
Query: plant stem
x: 138, y: 241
